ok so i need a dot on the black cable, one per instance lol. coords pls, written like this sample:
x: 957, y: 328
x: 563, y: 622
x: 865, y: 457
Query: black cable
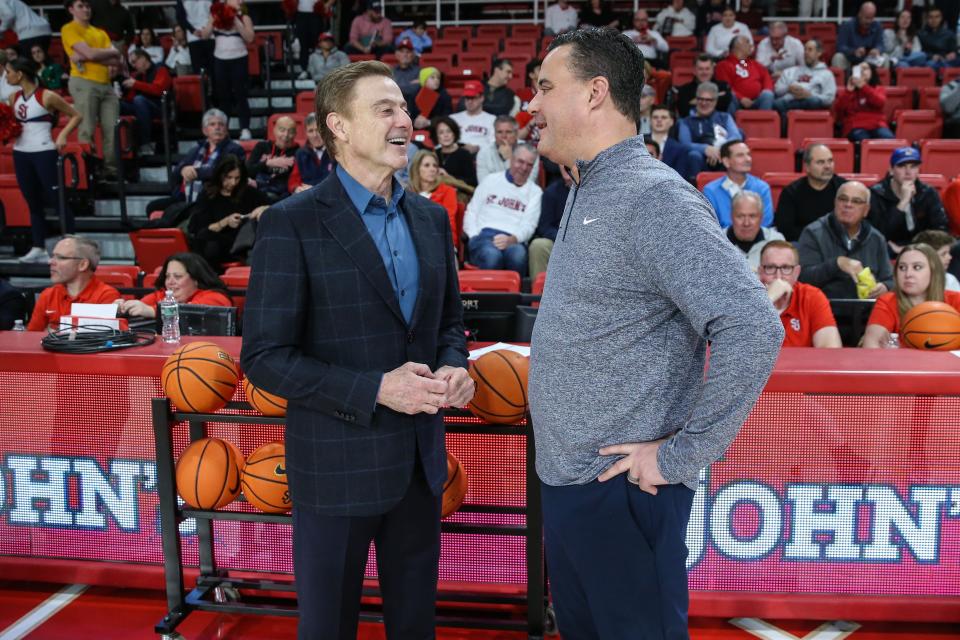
x: 94, y: 339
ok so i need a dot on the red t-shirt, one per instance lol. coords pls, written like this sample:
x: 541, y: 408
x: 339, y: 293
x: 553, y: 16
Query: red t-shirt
x: 54, y: 302
x: 886, y: 315
x: 808, y: 312
x: 200, y: 296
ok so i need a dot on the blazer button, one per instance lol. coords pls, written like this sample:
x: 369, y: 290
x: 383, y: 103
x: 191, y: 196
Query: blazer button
x: 410, y: 337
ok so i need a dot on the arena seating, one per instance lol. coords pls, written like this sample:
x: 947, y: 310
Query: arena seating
x: 842, y: 152
x: 492, y: 280
x: 875, y: 154
x: 773, y: 153
x: 758, y: 124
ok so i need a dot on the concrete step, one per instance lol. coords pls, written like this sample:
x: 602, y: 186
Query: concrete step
x: 298, y: 85
x: 256, y: 122
x: 153, y: 174
x: 136, y: 207
x: 278, y: 103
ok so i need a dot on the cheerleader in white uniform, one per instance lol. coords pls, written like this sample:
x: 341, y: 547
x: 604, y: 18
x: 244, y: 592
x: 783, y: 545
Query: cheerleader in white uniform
x: 35, y: 151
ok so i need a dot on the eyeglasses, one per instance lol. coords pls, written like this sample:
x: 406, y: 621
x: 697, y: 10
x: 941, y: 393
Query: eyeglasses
x: 699, y: 99
x: 58, y: 257
x: 771, y: 269
x: 846, y: 200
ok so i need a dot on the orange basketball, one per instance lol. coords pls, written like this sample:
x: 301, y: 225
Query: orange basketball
x: 455, y: 488
x: 264, y: 479
x: 266, y: 403
x: 208, y: 474
x: 200, y: 377
x: 932, y: 326
x: 501, y: 378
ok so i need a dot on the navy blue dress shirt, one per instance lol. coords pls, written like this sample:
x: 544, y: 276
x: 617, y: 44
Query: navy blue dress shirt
x: 388, y: 228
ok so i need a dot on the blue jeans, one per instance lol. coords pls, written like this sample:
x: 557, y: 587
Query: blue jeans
x: 856, y: 135
x: 915, y: 59
x: 763, y: 101
x: 786, y: 104
x: 144, y: 109
x: 617, y: 559
x: 486, y: 256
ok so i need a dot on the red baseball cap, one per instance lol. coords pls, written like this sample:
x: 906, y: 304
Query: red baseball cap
x: 326, y: 35
x: 406, y: 43
x: 472, y: 89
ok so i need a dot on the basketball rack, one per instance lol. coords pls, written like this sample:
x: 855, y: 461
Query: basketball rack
x: 226, y: 591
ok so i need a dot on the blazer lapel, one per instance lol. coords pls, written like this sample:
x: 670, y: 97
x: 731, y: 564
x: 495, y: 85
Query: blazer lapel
x: 343, y: 221
x: 422, y: 233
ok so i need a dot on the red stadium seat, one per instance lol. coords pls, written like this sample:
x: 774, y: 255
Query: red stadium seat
x: 868, y: 179
x: 773, y: 154
x: 452, y: 47
x: 839, y: 76
x: 936, y: 180
x: 253, y: 60
x: 389, y: 59
x: 238, y: 270
x: 883, y: 75
x: 898, y: 99
x: 842, y: 152
x: 442, y: 61
x: 795, y: 29
x: 490, y: 280
x: 237, y: 281
x: 778, y: 181
x: 518, y: 50
x: 131, y: 271
x: 706, y: 177
x: 685, y: 59
x: 536, y: 287
x: 527, y: 31
x: 918, y: 124
x: 16, y: 212
x: 247, y: 145
x: 808, y: 124
x: 306, y: 102
x: 361, y: 57
x: 275, y: 38
x: 950, y: 74
x: 916, y: 77
x: 483, y: 44
x: 6, y: 160
x: 118, y: 280
x: 682, y: 43
x: 875, y: 154
x: 941, y: 156
x: 188, y: 94
x: 929, y: 98
x: 951, y: 202
x: 152, y: 246
x: 758, y: 124
x: 822, y: 30
x: 456, y: 33
x: 681, y: 75
x: 75, y: 157
x: 498, y: 31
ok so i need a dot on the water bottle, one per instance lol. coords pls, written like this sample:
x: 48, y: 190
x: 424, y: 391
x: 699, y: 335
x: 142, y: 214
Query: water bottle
x: 170, y: 317
x: 894, y: 341
x: 18, y: 325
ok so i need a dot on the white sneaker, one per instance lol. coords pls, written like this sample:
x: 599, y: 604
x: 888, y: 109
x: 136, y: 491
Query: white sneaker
x: 246, y: 135
x: 36, y: 255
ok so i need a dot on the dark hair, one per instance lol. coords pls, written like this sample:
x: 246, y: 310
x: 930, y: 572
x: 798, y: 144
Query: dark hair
x: 46, y: 54
x: 153, y: 36
x: 447, y: 120
x: 808, y: 152
x: 26, y: 66
x: 69, y: 3
x: 197, y: 268
x: 705, y: 57
x: 817, y: 43
x: 225, y: 165
x: 419, y: 22
x: 605, y: 52
x: 140, y: 52
x: 726, y: 146
x: 649, y: 141
x: 661, y: 107
x: 498, y: 63
x: 935, y: 238
x: 335, y: 91
x: 874, y: 77
x: 533, y: 64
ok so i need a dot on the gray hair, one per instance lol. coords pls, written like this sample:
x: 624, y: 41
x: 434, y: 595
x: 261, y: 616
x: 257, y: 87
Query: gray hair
x: 87, y: 249
x: 526, y: 147
x: 212, y: 114
x: 310, y: 119
x: 506, y: 119
x: 707, y: 87
x: 747, y: 195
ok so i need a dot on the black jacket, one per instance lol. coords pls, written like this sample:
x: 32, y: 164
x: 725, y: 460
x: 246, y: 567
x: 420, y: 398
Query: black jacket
x: 688, y: 92
x: 824, y: 240
x: 928, y: 212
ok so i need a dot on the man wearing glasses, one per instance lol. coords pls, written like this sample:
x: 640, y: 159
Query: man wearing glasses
x: 837, y: 247
x: 72, y: 265
x: 705, y: 131
x: 805, y: 312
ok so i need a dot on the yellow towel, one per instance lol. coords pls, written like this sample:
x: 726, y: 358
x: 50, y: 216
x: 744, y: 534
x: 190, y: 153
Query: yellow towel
x: 865, y: 283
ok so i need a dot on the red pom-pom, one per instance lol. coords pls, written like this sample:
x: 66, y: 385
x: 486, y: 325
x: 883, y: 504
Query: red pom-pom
x: 223, y: 16
x: 10, y: 127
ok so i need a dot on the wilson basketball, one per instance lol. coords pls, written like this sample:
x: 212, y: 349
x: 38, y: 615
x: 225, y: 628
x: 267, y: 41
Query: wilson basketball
x: 501, y: 394
x: 266, y: 403
x: 931, y: 325
x: 264, y: 479
x: 455, y: 488
x: 208, y: 474
x: 200, y: 377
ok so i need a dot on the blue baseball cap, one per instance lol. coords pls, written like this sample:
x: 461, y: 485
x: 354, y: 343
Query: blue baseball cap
x: 904, y: 154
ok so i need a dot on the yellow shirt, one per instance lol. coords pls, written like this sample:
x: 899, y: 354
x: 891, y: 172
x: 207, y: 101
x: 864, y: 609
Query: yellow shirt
x: 72, y: 33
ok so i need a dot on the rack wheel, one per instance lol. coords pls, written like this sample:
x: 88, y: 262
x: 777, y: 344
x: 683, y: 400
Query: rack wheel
x: 226, y: 594
x: 172, y: 636
x: 550, y: 621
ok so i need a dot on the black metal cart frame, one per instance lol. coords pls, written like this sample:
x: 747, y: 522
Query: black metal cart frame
x: 216, y: 590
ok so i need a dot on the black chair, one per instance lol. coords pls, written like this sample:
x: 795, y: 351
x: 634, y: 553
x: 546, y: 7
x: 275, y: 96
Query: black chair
x: 523, y: 323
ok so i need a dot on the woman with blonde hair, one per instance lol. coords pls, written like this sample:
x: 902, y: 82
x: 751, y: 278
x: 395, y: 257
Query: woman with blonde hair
x: 918, y: 277
x: 425, y: 180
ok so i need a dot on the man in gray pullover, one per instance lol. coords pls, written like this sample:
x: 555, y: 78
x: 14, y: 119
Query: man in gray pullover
x: 640, y: 280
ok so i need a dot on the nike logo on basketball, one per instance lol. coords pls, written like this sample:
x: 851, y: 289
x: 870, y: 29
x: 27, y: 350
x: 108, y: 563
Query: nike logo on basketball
x: 589, y: 220
x: 279, y: 471
x: 933, y: 345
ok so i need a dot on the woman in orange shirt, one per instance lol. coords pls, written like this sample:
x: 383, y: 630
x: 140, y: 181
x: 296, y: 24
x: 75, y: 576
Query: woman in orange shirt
x: 192, y: 281
x: 918, y: 277
x: 425, y: 180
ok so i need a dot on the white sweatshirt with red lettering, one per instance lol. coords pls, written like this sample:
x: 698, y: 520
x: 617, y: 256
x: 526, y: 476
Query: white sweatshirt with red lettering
x: 500, y: 204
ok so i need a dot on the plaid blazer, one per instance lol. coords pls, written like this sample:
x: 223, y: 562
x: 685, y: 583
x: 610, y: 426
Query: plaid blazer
x: 322, y: 325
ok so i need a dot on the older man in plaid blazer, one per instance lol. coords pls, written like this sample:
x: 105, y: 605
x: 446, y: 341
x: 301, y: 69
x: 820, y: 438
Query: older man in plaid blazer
x: 353, y: 314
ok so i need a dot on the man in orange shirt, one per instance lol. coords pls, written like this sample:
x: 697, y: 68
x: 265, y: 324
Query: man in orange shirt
x: 804, y: 310
x: 72, y: 264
